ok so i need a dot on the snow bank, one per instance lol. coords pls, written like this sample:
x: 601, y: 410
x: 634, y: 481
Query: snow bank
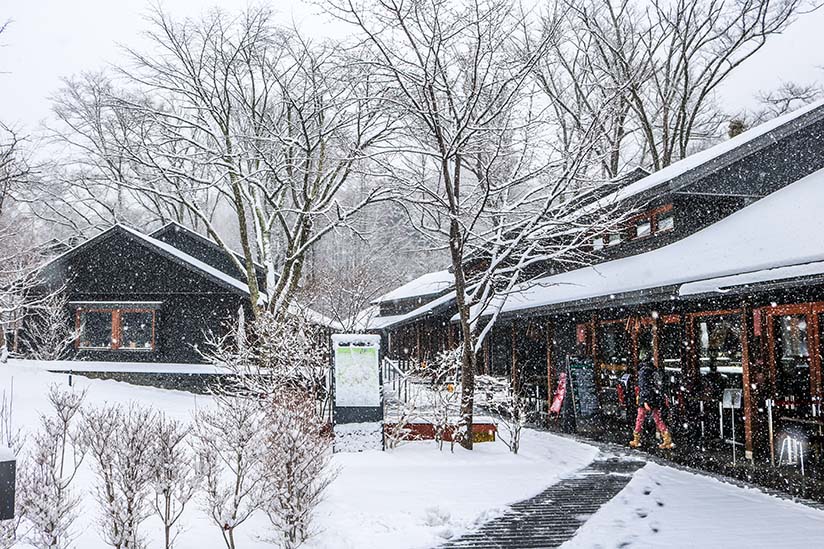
x: 414, y: 496
x: 79, y: 366
x: 664, y: 507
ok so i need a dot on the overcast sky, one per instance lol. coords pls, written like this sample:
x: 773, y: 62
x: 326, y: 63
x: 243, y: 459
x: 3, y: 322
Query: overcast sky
x: 50, y: 39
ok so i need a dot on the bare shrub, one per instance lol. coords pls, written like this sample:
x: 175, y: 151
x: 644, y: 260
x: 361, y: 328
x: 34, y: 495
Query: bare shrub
x: 49, y: 504
x: 230, y: 446
x: 297, y: 468
x: 49, y: 333
x: 120, y: 441
x: 503, y: 399
x: 173, y: 477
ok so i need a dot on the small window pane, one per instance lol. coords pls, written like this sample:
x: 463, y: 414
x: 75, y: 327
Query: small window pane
x: 598, y: 244
x: 96, y: 329
x: 136, y: 330
x: 666, y: 223
x: 643, y: 229
x: 614, y: 239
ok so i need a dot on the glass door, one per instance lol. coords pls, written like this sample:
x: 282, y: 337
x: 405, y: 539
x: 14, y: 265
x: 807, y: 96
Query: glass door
x: 790, y: 361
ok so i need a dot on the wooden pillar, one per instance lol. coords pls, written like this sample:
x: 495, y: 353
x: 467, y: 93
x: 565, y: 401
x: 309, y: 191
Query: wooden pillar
x: 656, y: 343
x: 418, y: 346
x: 748, y: 406
x: 450, y: 335
x: 515, y: 373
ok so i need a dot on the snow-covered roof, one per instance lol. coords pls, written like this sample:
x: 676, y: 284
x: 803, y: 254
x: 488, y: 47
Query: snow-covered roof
x: 190, y: 261
x: 183, y: 228
x: 726, y: 284
x: 677, y: 169
x: 383, y: 322
x: 313, y: 316
x: 428, y: 284
x: 170, y: 251
x: 782, y: 230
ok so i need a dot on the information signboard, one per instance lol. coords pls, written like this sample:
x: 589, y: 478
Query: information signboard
x: 357, y: 387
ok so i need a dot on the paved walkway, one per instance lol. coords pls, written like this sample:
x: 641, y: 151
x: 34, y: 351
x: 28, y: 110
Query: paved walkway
x: 553, y: 516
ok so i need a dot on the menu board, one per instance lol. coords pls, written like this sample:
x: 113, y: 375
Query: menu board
x: 584, y: 390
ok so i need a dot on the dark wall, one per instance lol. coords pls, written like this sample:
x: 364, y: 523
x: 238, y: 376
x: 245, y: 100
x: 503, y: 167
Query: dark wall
x: 120, y: 269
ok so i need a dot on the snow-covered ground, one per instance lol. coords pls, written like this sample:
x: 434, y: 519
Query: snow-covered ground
x: 666, y: 507
x: 413, y: 496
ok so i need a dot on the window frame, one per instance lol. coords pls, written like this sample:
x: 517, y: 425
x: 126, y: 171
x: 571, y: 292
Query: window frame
x: 116, y: 338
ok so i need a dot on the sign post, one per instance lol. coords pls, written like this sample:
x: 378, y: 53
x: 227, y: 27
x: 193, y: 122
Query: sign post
x: 357, y: 389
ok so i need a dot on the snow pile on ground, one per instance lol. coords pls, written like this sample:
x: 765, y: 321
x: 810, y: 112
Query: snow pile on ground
x: 665, y: 507
x: 414, y: 496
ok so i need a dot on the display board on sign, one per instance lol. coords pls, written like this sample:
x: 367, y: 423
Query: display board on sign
x: 357, y: 383
x: 584, y: 391
x: 732, y: 398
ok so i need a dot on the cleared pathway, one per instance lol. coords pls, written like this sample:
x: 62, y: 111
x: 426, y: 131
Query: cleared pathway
x: 553, y: 516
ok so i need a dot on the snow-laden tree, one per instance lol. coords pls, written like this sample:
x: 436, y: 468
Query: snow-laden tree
x: 297, y: 465
x: 174, y: 476
x: 49, y: 331
x: 49, y: 501
x: 11, y: 437
x: 234, y: 112
x: 270, y: 354
x: 120, y: 442
x: 654, y: 67
x: 474, y: 160
x: 231, y: 444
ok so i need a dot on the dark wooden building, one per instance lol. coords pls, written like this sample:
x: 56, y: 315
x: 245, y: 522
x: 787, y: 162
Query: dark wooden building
x: 147, y: 298
x: 719, y: 275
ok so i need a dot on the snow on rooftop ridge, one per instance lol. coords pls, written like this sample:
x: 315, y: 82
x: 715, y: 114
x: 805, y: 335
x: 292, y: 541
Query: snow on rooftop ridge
x: 740, y: 243
x: 381, y: 323
x: 697, y: 159
x: 179, y: 226
x: 726, y: 283
x: 427, y: 284
x: 186, y: 258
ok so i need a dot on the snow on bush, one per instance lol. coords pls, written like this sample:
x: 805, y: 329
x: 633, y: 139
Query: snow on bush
x: 49, y: 332
x: 174, y: 478
x: 503, y: 399
x: 48, y: 502
x: 119, y: 440
x: 296, y: 464
x: 230, y: 446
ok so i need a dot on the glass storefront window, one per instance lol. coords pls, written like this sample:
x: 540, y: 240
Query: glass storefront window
x: 613, y: 352
x: 792, y: 360
x: 719, y: 354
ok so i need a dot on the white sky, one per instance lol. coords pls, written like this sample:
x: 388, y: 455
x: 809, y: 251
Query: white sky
x: 50, y: 39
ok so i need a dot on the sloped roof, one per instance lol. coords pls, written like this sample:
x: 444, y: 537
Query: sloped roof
x: 428, y: 284
x: 783, y: 229
x: 700, y: 163
x: 177, y: 227
x: 170, y: 252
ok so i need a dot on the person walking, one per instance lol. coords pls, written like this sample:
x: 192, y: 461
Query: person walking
x: 650, y: 399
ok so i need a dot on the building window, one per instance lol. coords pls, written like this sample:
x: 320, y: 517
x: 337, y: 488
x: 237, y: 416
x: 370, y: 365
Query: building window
x: 598, y: 243
x: 125, y: 329
x: 643, y: 228
x: 666, y: 223
x: 95, y: 330
x: 614, y: 239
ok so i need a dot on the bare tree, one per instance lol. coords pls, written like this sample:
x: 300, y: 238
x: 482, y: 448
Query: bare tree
x: 119, y: 440
x: 231, y: 444
x: 474, y: 164
x: 174, y: 475
x: 11, y: 438
x: 233, y: 112
x: 664, y: 61
x: 49, y: 503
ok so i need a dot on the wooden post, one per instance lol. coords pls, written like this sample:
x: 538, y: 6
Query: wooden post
x: 747, y: 400
x: 656, y: 343
x: 515, y: 374
x: 418, y: 349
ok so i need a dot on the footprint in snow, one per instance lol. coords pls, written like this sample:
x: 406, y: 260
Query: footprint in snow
x: 642, y: 513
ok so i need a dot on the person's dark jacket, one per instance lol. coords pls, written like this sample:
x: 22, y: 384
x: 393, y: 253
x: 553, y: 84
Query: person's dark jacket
x: 648, y: 390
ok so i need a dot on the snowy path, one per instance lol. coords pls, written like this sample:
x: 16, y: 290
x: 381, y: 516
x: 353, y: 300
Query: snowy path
x: 553, y: 516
